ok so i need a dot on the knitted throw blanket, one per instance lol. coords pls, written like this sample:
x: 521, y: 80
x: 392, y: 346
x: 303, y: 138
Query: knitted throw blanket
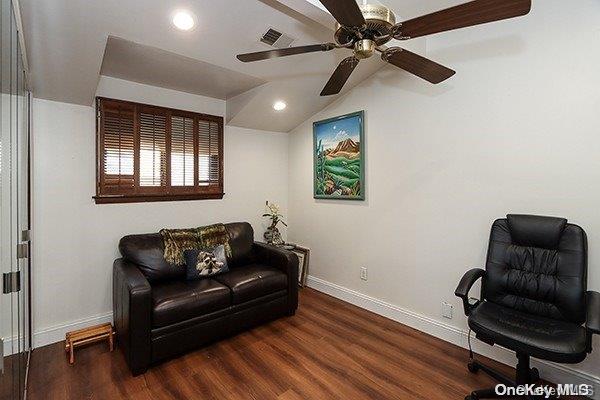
x: 205, y: 238
x: 215, y: 235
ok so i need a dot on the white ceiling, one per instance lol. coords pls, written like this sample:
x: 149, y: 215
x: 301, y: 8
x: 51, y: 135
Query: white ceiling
x: 66, y: 42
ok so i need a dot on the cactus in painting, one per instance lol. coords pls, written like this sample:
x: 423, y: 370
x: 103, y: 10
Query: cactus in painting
x: 320, y: 168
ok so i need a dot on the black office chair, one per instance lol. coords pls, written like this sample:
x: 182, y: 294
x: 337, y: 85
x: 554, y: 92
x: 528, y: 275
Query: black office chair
x: 533, y: 296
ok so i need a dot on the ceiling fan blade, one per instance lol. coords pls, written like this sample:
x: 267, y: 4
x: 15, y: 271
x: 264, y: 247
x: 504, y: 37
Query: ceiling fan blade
x: 288, y: 51
x: 417, y: 65
x: 340, y: 76
x: 464, y: 15
x: 346, y: 12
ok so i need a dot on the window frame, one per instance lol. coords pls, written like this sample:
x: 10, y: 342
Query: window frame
x: 139, y: 194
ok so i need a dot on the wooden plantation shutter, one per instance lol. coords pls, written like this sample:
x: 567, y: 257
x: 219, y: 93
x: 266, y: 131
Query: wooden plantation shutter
x: 153, y: 149
x: 149, y: 153
x: 210, y: 141
x: 117, y: 137
x: 182, y: 151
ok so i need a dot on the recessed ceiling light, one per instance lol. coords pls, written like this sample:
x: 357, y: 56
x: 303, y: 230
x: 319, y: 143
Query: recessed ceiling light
x: 183, y: 20
x: 279, y: 105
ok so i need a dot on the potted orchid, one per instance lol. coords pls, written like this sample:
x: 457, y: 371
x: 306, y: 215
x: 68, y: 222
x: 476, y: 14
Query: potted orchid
x: 272, y: 234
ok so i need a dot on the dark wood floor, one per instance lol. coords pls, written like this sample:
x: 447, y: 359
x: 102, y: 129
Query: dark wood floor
x: 329, y: 350
x: 12, y: 379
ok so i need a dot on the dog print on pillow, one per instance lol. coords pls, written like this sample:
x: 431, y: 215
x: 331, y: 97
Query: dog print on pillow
x: 207, y: 264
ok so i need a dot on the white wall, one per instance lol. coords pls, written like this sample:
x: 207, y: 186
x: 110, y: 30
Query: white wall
x: 125, y: 90
x: 75, y: 240
x: 517, y: 130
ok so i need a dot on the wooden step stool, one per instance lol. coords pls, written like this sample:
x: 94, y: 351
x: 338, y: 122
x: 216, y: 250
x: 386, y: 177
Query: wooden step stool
x: 88, y: 335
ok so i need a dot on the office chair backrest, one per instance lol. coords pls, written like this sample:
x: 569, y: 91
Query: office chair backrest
x: 538, y: 265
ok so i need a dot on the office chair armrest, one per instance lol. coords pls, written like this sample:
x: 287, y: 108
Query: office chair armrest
x: 465, y: 285
x: 592, y: 323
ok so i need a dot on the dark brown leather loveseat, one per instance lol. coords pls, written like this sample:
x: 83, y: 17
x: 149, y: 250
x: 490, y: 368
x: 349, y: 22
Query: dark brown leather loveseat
x: 158, y: 314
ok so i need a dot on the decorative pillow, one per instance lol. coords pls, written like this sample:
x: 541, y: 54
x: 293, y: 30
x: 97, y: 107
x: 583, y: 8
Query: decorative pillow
x: 202, y: 264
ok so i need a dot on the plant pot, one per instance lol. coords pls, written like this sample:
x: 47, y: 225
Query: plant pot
x: 273, y: 236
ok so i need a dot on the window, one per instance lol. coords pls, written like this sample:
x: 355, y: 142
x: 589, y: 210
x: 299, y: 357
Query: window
x: 149, y: 153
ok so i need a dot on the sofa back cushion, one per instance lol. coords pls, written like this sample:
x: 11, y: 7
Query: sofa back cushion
x: 147, y: 252
x: 241, y: 238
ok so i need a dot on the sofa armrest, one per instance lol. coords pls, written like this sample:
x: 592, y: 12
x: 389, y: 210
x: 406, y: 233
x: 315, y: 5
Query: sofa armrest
x: 465, y: 285
x: 284, y: 260
x: 132, y: 314
x: 592, y: 323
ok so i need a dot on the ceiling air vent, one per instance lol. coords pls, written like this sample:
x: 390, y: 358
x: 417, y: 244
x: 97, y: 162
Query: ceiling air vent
x: 276, y: 39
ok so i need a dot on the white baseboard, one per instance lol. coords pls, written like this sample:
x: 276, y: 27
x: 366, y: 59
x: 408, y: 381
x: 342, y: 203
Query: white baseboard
x: 549, y: 371
x: 7, y: 346
x: 57, y: 333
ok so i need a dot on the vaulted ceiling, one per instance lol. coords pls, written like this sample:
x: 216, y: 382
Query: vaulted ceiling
x: 70, y: 43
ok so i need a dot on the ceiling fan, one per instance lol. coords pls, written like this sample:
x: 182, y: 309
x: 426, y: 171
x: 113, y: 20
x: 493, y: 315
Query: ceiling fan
x: 365, y: 28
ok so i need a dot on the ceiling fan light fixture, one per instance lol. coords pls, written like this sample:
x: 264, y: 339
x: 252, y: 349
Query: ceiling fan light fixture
x: 364, y: 48
x: 183, y: 20
x: 279, y: 105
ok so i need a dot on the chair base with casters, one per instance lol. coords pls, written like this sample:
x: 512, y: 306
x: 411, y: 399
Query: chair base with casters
x: 525, y: 376
x: 534, y: 297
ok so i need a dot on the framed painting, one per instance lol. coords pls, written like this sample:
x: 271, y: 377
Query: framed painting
x: 339, y: 158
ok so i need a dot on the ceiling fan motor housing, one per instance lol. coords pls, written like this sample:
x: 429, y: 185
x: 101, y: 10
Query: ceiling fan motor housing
x: 380, y: 21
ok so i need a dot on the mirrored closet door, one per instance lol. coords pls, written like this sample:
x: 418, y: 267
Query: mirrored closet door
x: 15, y: 339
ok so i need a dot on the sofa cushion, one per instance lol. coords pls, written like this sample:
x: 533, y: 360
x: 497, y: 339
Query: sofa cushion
x: 241, y: 238
x: 147, y: 252
x: 251, y: 281
x: 178, y: 301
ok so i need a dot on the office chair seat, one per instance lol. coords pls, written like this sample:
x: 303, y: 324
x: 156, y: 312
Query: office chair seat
x: 540, y: 337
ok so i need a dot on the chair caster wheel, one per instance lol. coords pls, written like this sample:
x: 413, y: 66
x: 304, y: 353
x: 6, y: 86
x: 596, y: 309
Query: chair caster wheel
x: 473, y: 368
x: 471, y: 397
x: 535, y: 375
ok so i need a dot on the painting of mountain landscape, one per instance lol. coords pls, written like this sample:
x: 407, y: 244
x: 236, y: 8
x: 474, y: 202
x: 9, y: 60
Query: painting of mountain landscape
x: 339, y: 158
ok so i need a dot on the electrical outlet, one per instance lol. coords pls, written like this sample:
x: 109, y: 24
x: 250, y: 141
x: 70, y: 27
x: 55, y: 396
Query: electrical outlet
x: 363, y: 273
x: 446, y: 310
